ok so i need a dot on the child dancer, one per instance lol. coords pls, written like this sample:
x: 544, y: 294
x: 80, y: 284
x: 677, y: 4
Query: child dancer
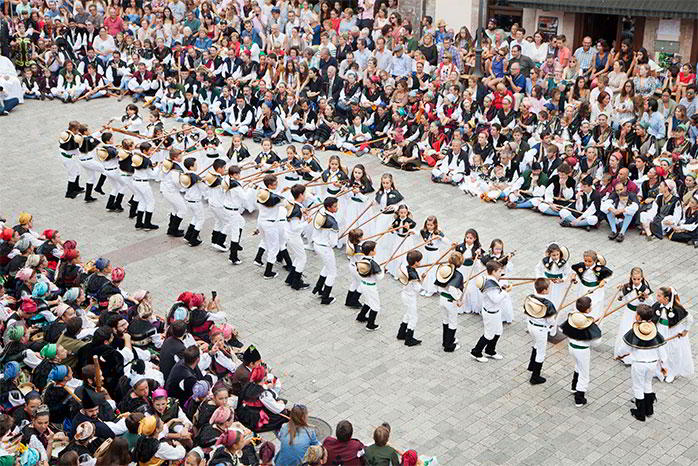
x: 361, y: 187
x: 449, y: 280
x: 402, y: 238
x: 540, y: 315
x: 354, y: 254
x: 324, y: 239
x: 387, y: 200
x: 593, y: 273
x: 370, y: 272
x: 496, y: 252
x: 295, y: 223
x: 673, y: 319
x: 492, y: 297
x: 555, y: 268
x: 637, y: 287
x: 432, y: 251
x: 233, y: 203
x: 472, y: 251
x: 410, y: 278
x: 580, y: 330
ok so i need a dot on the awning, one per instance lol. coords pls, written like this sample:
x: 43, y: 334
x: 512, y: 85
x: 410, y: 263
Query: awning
x: 652, y: 8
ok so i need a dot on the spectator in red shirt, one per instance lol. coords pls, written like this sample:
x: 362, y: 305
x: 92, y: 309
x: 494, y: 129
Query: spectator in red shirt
x: 343, y: 449
x: 113, y: 22
x: 502, y: 92
x: 624, y: 179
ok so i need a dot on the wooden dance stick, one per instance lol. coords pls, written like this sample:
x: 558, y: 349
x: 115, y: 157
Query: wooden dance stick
x: 393, y: 256
x: 575, y: 300
x: 617, y: 308
x: 438, y: 261
x: 389, y: 230
x: 522, y: 283
x: 346, y: 231
x: 567, y: 291
x: 372, y: 218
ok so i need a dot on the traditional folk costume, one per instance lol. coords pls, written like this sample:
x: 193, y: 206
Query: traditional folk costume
x: 109, y: 156
x: 324, y: 240
x: 269, y: 203
x: 295, y: 224
x: 68, y: 148
x: 560, y: 270
x: 581, y: 331
x: 233, y: 203
x: 143, y: 193
x: 644, y: 295
x: 409, y: 277
x: 86, y: 159
x: 647, y: 352
x: 370, y: 272
x: 168, y: 174
x: 541, y: 322
x: 472, y: 304
x: 449, y: 280
x: 193, y: 195
x: 492, y: 298
x: 431, y: 252
x: 672, y: 319
x: 403, y: 241
x: 387, y: 204
x: 354, y: 254
x: 590, y: 278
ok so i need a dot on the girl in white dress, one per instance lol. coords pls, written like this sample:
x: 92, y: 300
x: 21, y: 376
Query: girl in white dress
x: 636, y: 286
x: 336, y: 175
x: 472, y: 251
x: 403, y: 238
x: 387, y: 200
x: 673, y: 319
x: 432, y: 251
x: 555, y: 268
x: 496, y: 253
x: 362, y: 187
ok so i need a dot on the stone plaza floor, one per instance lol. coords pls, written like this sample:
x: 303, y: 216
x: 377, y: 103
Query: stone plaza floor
x: 445, y: 405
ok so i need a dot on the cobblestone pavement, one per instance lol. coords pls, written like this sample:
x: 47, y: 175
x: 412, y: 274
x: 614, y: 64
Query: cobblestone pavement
x: 441, y: 404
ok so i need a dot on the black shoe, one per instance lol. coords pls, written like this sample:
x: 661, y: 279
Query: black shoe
x: 640, y: 410
x: 88, y: 194
x: 194, y: 239
x: 402, y: 331
x: 319, y: 285
x: 410, y: 340
x: 110, y: 203
x: 148, y: 222
x: 173, y: 227
x: 575, y: 379
x: 327, y: 299
x: 133, y: 209
x: 269, y: 271
x: 444, y: 334
x: 70, y: 192
x: 258, y: 258
x: 117, y: 204
x: 362, y: 316
x: 78, y: 188
x: 139, y: 220
x: 100, y: 184
x: 650, y: 398
x: 613, y: 235
x: 579, y: 399
x: 536, y: 379
x: 233, y: 256
x: 620, y: 238
x: 371, y: 323
x: 289, y: 278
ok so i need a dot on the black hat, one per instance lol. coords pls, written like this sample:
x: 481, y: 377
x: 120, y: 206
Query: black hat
x: 588, y: 180
x: 536, y: 166
x: 251, y: 355
x: 88, y: 400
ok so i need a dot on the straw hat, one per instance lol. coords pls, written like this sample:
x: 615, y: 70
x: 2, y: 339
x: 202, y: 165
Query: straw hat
x: 565, y: 253
x: 579, y: 320
x: 78, y: 138
x: 64, y: 137
x: 363, y: 267
x: 480, y: 282
x: 534, y: 308
x: 444, y: 272
x: 601, y: 260
x: 319, y: 220
x: 263, y: 195
x: 137, y: 160
x: 210, y: 179
x: 186, y: 179
x: 645, y: 331
x: 167, y: 165
x: 402, y: 274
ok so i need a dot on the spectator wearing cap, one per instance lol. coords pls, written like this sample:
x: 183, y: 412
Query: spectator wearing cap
x: 343, y: 449
x: 250, y: 359
x: 401, y: 66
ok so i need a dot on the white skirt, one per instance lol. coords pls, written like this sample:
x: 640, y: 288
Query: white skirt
x: 386, y: 243
x: 407, y: 244
x: 678, y: 350
x: 626, y: 324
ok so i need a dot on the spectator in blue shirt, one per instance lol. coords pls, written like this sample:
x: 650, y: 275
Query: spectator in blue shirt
x: 655, y: 120
x: 295, y: 437
x: 202, y: 40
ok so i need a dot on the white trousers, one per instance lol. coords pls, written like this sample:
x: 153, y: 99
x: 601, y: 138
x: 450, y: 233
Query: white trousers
x: 492, y: 322
x: 294, y: 244
x: 91, y: 167
x: 449, y: 313
x: 235, y: 224
x: 198, y: 214
x: 540, y: 340
x: 370, y: 295
x: 115, y: 181
x: 641, y: 374
x: 220, y: 217
x: 270, y: 236
x: 144, y: 195
x: 71, y: 166
x: 329, y: 264
x: 410, y: 316
x: 581, y: 357
x: 178, y: 206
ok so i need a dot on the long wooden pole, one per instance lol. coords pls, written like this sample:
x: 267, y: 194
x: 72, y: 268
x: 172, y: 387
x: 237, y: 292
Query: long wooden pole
x: 575, y: 300
x: 393, y: 256
x: 98, y: 373
x: 389, y: 230
x: 438, y: 261
x: 346, y: 231
x: 617, y: 308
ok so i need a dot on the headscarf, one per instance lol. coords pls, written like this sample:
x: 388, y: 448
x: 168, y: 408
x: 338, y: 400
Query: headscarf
x: 147, y: 425
x: 101, y: 263
x: 159, y: 393
x: 28, y: 306
x: 40, y: 289
x: 229, y: 438
x: 200, y: 389
x: 60, y: 309
x: 11, y: 370
x: 221, y: 415
x: 7, y: 234
x: 22, y: 245
x: 58, y: 373
x: 118, y: 274
x: 71, y: 295
x: 258, y: 374
x: 25, y: 218
x: 409, y: 458
x: 48, y: 234
x: 30, y: 457
x: 196, y: 301
x: 69, y: 254
x: 116, y: 303
x: 49, y: 351
x: 32, y: 260
x: 24, y: 274
x: 15, y: 333
x: 69, y: 244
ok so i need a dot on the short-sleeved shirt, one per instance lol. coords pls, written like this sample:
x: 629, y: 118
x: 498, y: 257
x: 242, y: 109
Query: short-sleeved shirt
x: 381, y: 456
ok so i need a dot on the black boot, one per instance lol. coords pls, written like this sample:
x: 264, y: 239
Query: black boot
x: 451, y: 344
x: 139, y: 220
x: 356, y: 304
x: 649, y: 404
x: 319, y: 285
x: 117, y: 204
x: 193, y: 236
x: 575, y: 379
x: 222, y: 239
x: 233, y: 256
x: 187, y: 235
x: 173, y: 227
x: 362, y: 316
x: 298, y: 283
x: 444, y: 334
x: 258, y: 257
x: 350, y: 298
x: 269, y: 271
x: 110, y: 203
x: 640, y: 410
x: 286, y: 257
x: 148, y: 223
x: 533, y: 359
x: 100, y: 184
x: 88, y: 194
x: 371, y: 323
x: 481, y: 343
x: 133, y: 210
x: 77, y: 186
x: 491, y: 348
x: 579, y: 399
x: 70, y: 192
x: 535, y: 376
x: 410, y: 340
x: 290, y: 277
x: 327, y: 299
x: 402, y: 331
